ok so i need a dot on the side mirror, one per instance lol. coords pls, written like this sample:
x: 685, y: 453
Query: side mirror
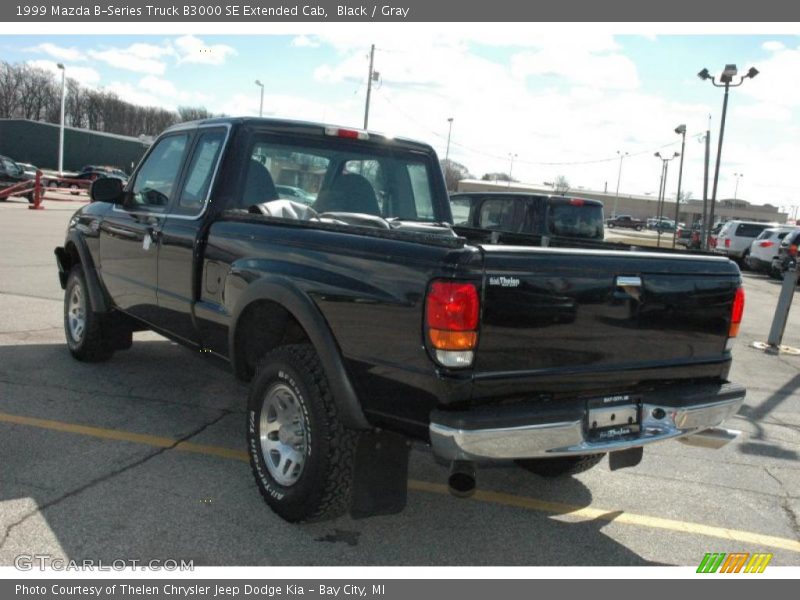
x: 106, y: 189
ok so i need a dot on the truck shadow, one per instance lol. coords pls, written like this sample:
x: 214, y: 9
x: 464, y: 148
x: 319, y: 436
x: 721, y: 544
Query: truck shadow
x: 77, y: 495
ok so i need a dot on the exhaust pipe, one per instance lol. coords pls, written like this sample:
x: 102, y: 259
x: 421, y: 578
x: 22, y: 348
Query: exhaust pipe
x: 714, y: 438
x: 461, y: 481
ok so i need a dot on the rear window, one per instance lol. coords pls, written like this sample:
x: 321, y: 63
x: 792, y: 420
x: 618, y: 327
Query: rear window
x: 749, y: 230
x: 344, y: 179
x: 500, y: 214
x: 577, y: 220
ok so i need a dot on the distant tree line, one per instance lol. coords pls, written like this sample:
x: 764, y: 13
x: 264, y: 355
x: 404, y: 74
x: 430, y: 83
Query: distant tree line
x: 28, y: 92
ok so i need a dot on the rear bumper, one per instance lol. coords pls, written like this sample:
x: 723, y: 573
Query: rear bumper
x: 758, y: 264
x: 507, y: 433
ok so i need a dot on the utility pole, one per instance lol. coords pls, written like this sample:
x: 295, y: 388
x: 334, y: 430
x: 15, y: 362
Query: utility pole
x: 449, y: 131
x: 369, y: 85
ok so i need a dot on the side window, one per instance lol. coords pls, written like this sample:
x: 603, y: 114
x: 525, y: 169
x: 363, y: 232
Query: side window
x: 749, y: 230
x: 420, y: 186
x: 460, y: 209
x: 158, y: 175
x: 499, y: 214
x: 201, y: 172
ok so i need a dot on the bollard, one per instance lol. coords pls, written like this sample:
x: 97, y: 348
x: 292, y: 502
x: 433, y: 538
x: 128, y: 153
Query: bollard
x: 37, y: 192
x: 782, y: 310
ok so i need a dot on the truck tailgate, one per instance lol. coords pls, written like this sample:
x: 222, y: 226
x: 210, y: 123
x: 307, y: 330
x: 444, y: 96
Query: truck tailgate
x: 597, y: 315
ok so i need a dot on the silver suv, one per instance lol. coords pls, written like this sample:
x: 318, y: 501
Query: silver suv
x: 735, y: 237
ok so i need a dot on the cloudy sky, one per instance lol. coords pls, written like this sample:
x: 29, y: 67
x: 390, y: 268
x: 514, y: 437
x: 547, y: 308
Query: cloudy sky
x: 564, y: 102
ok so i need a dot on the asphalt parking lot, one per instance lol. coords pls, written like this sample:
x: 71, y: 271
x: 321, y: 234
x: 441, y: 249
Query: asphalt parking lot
x: 143, y: 458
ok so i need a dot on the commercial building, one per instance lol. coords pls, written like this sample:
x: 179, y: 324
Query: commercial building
x: 37, y: 143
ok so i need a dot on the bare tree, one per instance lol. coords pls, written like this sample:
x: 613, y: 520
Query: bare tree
x: 453, y: 173
x: 193, y: 113
x: 561, y: 185
x: 497, y: 177
x: 30, y: 93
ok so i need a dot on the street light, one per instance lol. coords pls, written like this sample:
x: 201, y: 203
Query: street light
x: 680, y: 130
x: 619, y: 175
x: 449, y: 131
x: 736, y: 189
x: 725, y: 80
x: 662, y: 189
x: 61, y: 127
x: 512, y: 156
x: 261, y: 105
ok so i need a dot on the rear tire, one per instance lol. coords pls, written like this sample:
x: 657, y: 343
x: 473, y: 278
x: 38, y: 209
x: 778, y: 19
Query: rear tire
x: 560, y: 466
x: 82, y: 326
x: 301, y: 454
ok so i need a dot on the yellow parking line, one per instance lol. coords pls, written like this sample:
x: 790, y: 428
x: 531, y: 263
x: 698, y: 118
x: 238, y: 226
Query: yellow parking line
x: 500, y: 498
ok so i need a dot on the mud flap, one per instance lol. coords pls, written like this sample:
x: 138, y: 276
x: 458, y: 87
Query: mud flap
x: 625, y: 458
x: 381, y: 475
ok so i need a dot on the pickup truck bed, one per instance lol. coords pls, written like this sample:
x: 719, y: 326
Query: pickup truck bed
x: 365, y: 320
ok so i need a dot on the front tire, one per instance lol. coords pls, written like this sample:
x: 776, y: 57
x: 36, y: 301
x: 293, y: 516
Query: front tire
x: 83, y: 327
x: 560, y: 466
x: 301, y: 454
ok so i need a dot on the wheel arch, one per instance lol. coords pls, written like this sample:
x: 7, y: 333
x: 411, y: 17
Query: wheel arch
x: 280, y: 302
x: 75, y: 252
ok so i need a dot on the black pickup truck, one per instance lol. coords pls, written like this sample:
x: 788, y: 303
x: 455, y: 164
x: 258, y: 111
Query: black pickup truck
x: 365, y: 320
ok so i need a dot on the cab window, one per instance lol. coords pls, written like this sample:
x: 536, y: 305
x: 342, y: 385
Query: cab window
x: 158, y: 175
x: 201, y: 172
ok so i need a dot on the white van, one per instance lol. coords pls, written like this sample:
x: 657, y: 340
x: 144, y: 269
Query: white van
x: 735, y: 237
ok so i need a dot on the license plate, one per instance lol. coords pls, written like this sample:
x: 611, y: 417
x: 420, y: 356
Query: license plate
x: 612, y: 417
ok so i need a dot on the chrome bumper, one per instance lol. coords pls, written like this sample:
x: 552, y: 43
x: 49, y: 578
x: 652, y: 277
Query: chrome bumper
x: 691, y: 422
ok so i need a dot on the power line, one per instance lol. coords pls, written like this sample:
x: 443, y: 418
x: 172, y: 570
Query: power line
x: 521, y: 160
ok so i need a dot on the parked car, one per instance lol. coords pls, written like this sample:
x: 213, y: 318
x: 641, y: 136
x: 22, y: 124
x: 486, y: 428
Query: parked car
x: 735, y: 237
x: 625, y: 221
x: 536, y: 214
x: 30, y: 170
x: 11, y: 174
x: 765, y: 247
x: 297, y: 194
x: 84, y: 179
x: 363, y: 324
x: 787, y: 254
x: 661, y: 223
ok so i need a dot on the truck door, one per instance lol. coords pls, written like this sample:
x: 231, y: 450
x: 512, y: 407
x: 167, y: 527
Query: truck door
x: 179, y: 253
x: 129, y: 234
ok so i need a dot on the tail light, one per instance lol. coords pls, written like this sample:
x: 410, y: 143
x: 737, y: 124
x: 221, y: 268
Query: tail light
x: 793, y: 250
x: 766, y: 244
x: 451, y: 321
x: 736, y: 312
x: 352, y: 134
x: 727, y: 243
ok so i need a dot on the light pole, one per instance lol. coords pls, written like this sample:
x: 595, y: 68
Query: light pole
x: 261, y: 104
x: 681, y: 130
x: 726, y: 81
x: 61, y: 127
x: 449, y: 131
x: 619, y: 175
x: 512, y: 156
x: 736, y: 188
x: 662, y: 189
